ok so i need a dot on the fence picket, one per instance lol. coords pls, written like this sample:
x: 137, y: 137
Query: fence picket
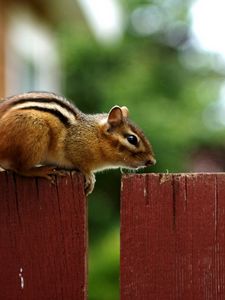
x: 172, y: 237
x: 43, y: 238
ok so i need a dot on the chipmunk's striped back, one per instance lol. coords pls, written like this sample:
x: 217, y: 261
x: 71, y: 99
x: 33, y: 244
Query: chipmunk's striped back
x: 49, y: 103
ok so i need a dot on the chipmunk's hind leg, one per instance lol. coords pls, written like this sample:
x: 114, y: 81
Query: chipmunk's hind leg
x: 43, y: 171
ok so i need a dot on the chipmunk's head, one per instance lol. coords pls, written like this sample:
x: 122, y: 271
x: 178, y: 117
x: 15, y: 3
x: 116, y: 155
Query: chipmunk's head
x: 131, y: 149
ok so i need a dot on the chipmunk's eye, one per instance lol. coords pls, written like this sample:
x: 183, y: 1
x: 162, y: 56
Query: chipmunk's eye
x: 132, y: 139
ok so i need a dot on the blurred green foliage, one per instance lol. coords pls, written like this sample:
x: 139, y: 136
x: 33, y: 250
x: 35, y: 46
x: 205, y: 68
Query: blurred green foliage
x: 167, y: 90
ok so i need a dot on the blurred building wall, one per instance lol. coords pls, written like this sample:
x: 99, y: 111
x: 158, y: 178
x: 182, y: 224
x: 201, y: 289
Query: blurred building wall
x: 29, y: 57
x: 2, y: 49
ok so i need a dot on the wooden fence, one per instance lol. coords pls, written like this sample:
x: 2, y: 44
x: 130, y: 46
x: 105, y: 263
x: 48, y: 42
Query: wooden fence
x: 43, y: 238
x: 172, y: 238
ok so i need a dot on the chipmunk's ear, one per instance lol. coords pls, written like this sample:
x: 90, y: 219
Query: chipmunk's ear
x: 125, y: 111
x: 115, y: 116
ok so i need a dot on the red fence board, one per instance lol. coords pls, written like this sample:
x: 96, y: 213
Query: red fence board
x: 43, y: 238
x: 173, y: 237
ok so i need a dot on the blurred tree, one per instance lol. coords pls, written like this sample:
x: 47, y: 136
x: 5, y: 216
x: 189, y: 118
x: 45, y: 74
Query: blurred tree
x: 154, y: 71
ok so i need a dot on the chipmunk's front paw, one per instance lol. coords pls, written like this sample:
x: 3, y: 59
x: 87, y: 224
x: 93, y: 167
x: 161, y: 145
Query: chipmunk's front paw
x: 89, y: 183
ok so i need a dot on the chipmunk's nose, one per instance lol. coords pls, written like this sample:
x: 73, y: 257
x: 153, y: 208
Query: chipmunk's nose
x: 150, y: 162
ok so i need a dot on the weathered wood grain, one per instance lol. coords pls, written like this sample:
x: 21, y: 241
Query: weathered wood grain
x: 43, y: 238
x: 173, y: 237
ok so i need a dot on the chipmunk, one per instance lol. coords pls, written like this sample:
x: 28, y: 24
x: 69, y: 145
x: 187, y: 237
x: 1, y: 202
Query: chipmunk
x: 41, y: 132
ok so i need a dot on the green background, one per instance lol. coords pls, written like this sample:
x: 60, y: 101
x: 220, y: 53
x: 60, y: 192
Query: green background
x: 171, y: 89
